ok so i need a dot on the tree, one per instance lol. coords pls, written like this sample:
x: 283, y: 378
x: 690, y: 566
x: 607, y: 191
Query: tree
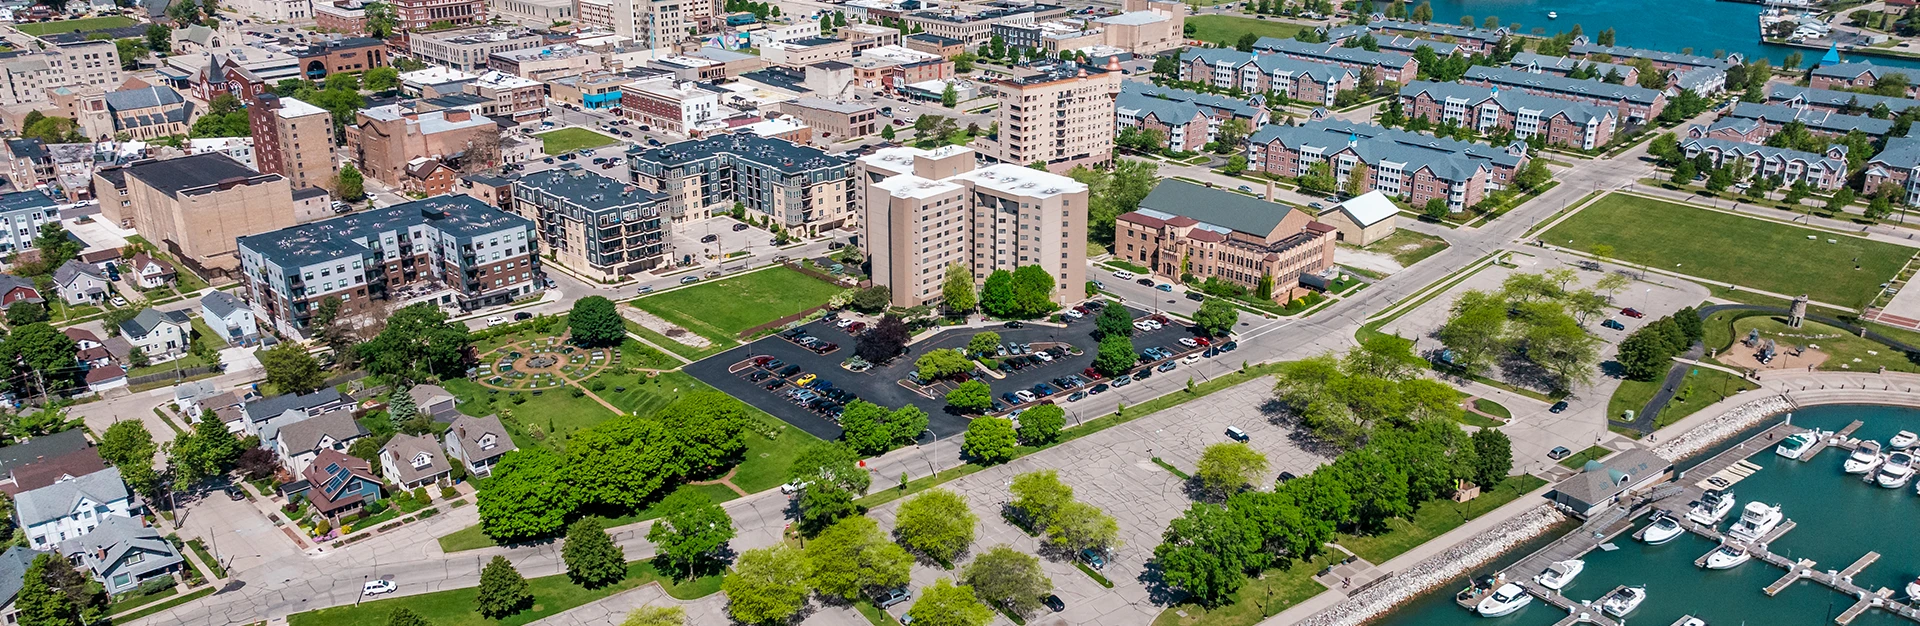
x: 1033, y: 292
x: 39, y: 602
x: 1840, y: 199
x: 1493, y: 456
x: 949, y: 97
x: 1357, y: 182
x: 591, y: 557
x: 852, y: 556
x: 824, y: 504
x: 957, y: 290
x: 1644, y: 354
x: 382, y: 79
x: 936, y: 523
x: 863, y: 428
x: 1011, y: 577
x: 943, y: 604
x: 349, y: 184
x: 997, y: 296
x: 1532, y: 175
x: 22, y: 313
x: 1080, y: 526
x: 1225, y: 467
x: 829, y: 463
x: 1436, y: 208
x: 403, y: 616
x: 1476, y: 332
x: 127, y: 443
x: 418, y: 343
x: 1116, y: 354
x: 290, y: 369
x: 1216, y: 317
x: 595, y: 324
x: 1207, y: 552
x: 204, y: 452
x: 656, y: 616
x: 1246, y: 41
x: 907, y: 422
x: 971, y: 397
x: 1235, y: 165
x: 1231, y: 133
x: 502, y: 590
x: 984, y: 343
x: 1041, y: 425
x: 886, y: 340
x: 159, y: 38
x: 1684, y: 173
x: 526, y: 496
x: 872, y: 299
x: 1039, y: 495
x: 989, y: 440
x: 55, y: 244
x: 766, y: 585
x: 941, y: 363
x: 1113, y: 320
x: 690, y: 532
x: 886, y: 132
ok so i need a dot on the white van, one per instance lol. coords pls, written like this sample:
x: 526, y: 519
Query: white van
x: 1236, y: 433
x: 1123, y: 274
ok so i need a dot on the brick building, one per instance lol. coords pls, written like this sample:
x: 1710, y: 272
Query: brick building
x: 1182, y: 228
x: 385, y: 139
x: 1188, y: 120
x: 1409, y: 166
x: 1226, y: 68
x: 1565, y: 123
x: 596, y: 226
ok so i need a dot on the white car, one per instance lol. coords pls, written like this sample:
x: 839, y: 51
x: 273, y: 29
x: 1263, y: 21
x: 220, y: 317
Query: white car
x: 1073, y: 315
x: 1189, y: 342
x: 1153, y: 325
x: 119, y: 301
x: 1044, y: 357
x: 1024, y: 395
x: 378, y: 587
x: 1191, y: 359
x: 1123, y: 274
x: 844, y: 322
x: 1144, y: 325
x: 496, y: 320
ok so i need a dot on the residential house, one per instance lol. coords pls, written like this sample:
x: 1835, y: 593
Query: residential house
x: 265, y: 416
x: 229, y: 318
x: 187, y: 396
x: 1862, y: 75
x: 1187, y: 120
x: 104, y: 377
x: 479, y: 442
x: 299, y: 443
x: 80, y: 283
x: 1825, y: 172
x: 1308, y: 81
x: 428, y: 176
x: 161, y: 335
x: 1602, y: 484
x: 337, y: 485
x: 434, y: 401
x: 411, y: 461
x: 1410, y: 166
x: 35, y: 450
x: 69, y: 509
x: 151, y: 273
x: 13, y: 574
x: 1755, y: 122
x: 123, y: 552
x: 17, y: 289
x: 47, y: 470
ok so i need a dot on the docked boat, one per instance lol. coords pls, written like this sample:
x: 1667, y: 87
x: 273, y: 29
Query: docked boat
x: 1727, y: 556
x: 1755, y: 522
x: 1903, y: 440
x: 1913, y: 589
x: 1504, y: 601
x: 1689, y: 620
x: 1796, y: 445
x: 1560, y: 573
x: 1623, y: 601
x: 1865, y: 458
x: 1713, y: 506
x: 1662, y: 530
x: 1896, y: 471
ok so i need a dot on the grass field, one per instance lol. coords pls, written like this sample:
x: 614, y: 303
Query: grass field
x: 69, y: 26
x: 1226, y: 29
x: 1408, y: 247
x: 1435, y: 518
x: 1731, y: 249
x: 1842, y: 348
x: 454, y: 607
x: 1579, y: 459
x: 1702, y: 387
x: 1490, y: 407
x: 571, y: 139
x: 555, y: 410
x: 723, y: 308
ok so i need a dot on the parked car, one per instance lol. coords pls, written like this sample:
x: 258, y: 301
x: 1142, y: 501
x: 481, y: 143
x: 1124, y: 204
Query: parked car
x: 1632, y: 312
x: 890, y: 597
x: 1196, y: 296
x: 1613, y: 324
x: 1093, y: 559
x: 709, y: 239
x: 1558, y: 407
x: 1167, y: 366
x: 1025, y: 395
x: 1189, y: 342
x: 1123, y: 381
x: 1123, y: 274
x: 1559, y: 452
x: 1145, y: 282
x: 740, y: 227
x: 1236, y: 434
x: 378, y: 587
x: 689, y: 279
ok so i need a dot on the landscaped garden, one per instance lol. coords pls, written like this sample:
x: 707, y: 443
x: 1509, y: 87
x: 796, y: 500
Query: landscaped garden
x: 570, y: 139
x: 1726, y: 248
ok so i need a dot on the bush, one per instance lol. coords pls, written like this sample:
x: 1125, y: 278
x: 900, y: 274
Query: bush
x: 576, y: 391
x: 449, y: 493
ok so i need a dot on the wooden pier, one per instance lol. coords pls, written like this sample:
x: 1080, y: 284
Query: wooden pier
x: 1795, y: 571
x: 1839, y: 438
x: 1862, y: 563
x: 1577, y: 613
x: 1879, y: 598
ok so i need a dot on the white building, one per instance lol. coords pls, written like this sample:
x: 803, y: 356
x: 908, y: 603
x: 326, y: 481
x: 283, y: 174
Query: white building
x: 162, y: 336
x: 71, y: 507
x: 229, y: 317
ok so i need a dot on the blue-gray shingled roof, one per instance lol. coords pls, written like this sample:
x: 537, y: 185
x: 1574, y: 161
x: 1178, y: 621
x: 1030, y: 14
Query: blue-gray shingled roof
x: 1411, y: 45
x: 1179, y: 104
x: 1268, y: 63
x: 591, y: 190
x: 13, y: 571
x: 1765, y: 152
x: 1837, y: 99
x: 118, y: 536
x: 39, y: 506
x: 780, y: 154
x: 1816, y: 119
x: 221, y: 304
x: 313, y: 242
x: 149, y: 319
x: 1565, y: 64
x: 1900, y: 153
x: 1511, y: 100
x: 1439, y: 30
x: 1853, y: 71
x: 267, y: 408
x: 1586, y: 88
x: 1216, y: 206
x: 26, y: 201
x: 1448, y: 158
x: 1657, y: 56
x: 143, y: 98
x: 1331, y: 51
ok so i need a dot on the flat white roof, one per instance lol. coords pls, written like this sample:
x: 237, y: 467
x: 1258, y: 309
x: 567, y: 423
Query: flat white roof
x: 1370, y: 208
x: 910, y: 186
x: 1022, y: 181
x: 291, y: 107
x: 436, y: 75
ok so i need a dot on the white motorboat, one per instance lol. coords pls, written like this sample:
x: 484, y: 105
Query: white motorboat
x: 1662, y: 530
x: 1560, y: 573
x: 1755, y: 522
x: 1796, y: 445
x: 1553, y: 15
x: 1903, y: 440
x: 1504, y: 601
x: 1865, y: 458
x: 1713, y: 506
x: 1727, y: 556
x: 1623, y: 601
x: 1913, y: 589
x: 1896, y: 471
x: 1689, y: 620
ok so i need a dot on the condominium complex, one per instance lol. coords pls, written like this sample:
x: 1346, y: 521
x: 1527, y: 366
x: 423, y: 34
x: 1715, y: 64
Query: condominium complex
x: 452, y: 251
x: 1060, y: 114
x: 1634, y: 103
x: 293, y: 139
x: 1754, y: 122
x: 1186, y: 120
x: 1182, y: 228
x: 925, y: 210
x: 196, y: 205
x: 1387, y: 66
x: 1566, y: 123
x: 25, y: 78
x: 653, y: 23
x: 22, y: 213
x: 1411, y: 166
x: 796, y: 186
x: 595, y: 226
x: 1824, y: 171
x: 1227, y: 68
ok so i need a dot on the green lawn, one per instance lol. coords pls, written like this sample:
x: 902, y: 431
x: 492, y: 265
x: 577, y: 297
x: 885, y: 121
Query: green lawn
x: 472, y: 538
x: 1226, y: 29
x: 636, y: 354
x: 68, y: 26
x: 1632, y: 395
x: 1579, y: 459
x: 723, y: 308
x: 1728, y: 248
x: 454, y: 607
x: 1841, y: 347
x: 1490, y: 407
x: 1435, y: 518
x: 1703, y: 387
x: 571, y: 139
x: 555, y: 411
x: 1408, y: 247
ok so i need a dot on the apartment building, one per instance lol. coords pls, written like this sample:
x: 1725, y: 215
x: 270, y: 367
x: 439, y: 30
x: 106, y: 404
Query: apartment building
x: 1562, y: 66
x: 25, y: 78
x: 1060, y: 114
x: 1471, y: 40
x: 1660, y: 60
x: 1189, y: 120
x: 545, y: 63
x: 468, y: 49
x: 1182, y: 228
x: 1410, y: 166
x: 1566, y: 123
x: 1839, y: 101
x: 453, y: 251
x: 1386, y: 66
x: 1307, y: 81
x: 22, y: 213
x: 653, y: 23
x: 384, y: 139
x: 1861, y: 75
x: 681, y: 108
x: 1754, y: 122
x: 976, y: 28
x: 510, y: 97
x: 1634, y: 103
x: 343, y: 16
x: 1897, y: 165
x: 600, y: 89
x: 593, y: 225
x: 274, y: 10
x: 834, y: 121
x: 1825, y: 171
x: 197, y: 205
x: 798, y: 187
x: 293, y: 139
x: 414, y: 15
x: 533, y: 13
x: 889, y: 68
x: 925, y: 210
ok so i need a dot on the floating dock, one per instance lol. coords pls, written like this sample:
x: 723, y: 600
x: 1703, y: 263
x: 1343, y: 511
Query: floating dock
x: 1839, y: 439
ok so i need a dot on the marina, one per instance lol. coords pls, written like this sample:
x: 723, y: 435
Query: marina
x: 1843, y: 553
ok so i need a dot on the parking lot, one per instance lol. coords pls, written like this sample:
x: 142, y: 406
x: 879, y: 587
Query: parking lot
x: 736, y: 373
x: 726, y: 235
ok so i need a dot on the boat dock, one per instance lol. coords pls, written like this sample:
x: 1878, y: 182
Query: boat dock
x: 1577, y: 612
x: 1842, y: 439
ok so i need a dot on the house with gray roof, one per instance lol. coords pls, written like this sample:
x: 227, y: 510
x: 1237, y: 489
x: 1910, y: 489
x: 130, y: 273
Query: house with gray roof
x: 13, y: 575
x: 18, y: 289
x: 162, y: 335
x: 1410, y: 45
x: 1570, y: 123
x: 299, y: 442
x: 71, y: 508
x: 1562, y: 66
x: 434, y: 401
x: 1826, y: 171
x: 1602, y: 484
x: 1702, y: 81
x: 1186, y: 120
x: 1861, y: 75
x: 123, y: 552
x: 1660, y: 59
x: 1754, y: 122
x: 1388, y: 66
x: 479, y: 442
x: 1410, y: 166
x: 229, y: 318
x: 1474, y: 40
x: 1182, y: 228
x: 411, y: 461
x: 1252, y: 73
x: 264, y: 416
x: 1897, y: 164
x: 80, y: 283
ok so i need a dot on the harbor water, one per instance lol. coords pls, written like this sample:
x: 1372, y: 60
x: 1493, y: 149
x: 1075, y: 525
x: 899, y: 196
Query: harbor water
x: 1839, y: 518
x: 1669, y: 25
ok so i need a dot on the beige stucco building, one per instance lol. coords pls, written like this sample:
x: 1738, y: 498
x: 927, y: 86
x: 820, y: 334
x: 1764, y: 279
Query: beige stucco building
x: 1059, y: 114
x: 197, y: 205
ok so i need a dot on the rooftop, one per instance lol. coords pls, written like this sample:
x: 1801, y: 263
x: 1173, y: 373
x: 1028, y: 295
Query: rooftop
x: 780, y: 154
x: 313, y: 242
x: 588, y: 189
x: 1216, y: 207
x: 195, y: 172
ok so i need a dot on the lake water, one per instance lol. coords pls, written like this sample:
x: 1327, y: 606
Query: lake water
x: 1670, y: 25
x: 1839, y: 519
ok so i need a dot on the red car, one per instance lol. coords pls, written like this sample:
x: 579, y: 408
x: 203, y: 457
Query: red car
x: 1090, y: 373
x: 1630, y: 312
x: 1203, y: 341
x: 856, y: 327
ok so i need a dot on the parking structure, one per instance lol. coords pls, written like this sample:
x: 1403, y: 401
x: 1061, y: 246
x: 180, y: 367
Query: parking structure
x: 812, y: 405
